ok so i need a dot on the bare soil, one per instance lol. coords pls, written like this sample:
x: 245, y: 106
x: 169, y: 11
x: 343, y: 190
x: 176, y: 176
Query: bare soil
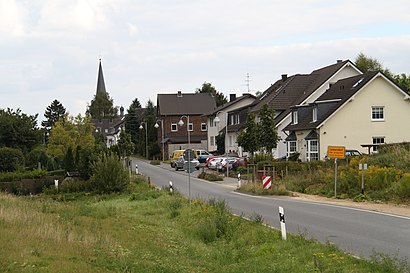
x: 403, y: 210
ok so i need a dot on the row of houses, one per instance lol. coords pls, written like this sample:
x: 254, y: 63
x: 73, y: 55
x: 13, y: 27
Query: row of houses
x: 336, y: 105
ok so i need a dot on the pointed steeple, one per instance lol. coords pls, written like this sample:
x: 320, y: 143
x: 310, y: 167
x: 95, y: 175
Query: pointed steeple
x: 100, y: 81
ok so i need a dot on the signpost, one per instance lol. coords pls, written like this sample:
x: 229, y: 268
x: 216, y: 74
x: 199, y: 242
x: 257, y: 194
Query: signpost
x: 362, y: 167
x: 336, y: 152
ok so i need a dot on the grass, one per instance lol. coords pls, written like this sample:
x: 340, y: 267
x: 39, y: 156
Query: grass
x: 151, y: 230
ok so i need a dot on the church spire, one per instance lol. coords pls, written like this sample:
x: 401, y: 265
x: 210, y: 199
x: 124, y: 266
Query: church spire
x: 100, y: 81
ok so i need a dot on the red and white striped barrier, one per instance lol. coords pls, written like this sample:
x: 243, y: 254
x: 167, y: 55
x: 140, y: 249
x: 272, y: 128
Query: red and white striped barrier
x: 267, y: 182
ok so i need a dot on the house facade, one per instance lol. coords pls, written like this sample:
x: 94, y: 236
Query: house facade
x: 189, y: 108
x: 227, y: 116
x: 297, y: 90
x: 356, y: 112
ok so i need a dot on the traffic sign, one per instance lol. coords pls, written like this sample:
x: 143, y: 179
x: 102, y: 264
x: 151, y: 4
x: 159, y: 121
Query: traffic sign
x: 336, y: 152
x: 189, y: 166
x: 189, y: 154
x: 267, y: 182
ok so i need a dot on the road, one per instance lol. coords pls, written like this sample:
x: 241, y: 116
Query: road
x: 359, y: 232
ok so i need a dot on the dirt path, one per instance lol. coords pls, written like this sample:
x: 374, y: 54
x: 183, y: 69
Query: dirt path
x: 403, y: 210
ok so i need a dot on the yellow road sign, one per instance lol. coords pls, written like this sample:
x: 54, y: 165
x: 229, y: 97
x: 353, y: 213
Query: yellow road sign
x: 336, y: 151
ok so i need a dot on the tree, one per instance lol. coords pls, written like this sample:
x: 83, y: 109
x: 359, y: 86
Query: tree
x: 220, y: 142
x: 102, y: 106
x: 366, y: 64
x: 70, y: 132
x: 133, y: 120
x: 125, y: 145
x: 150, y: 119
x: 109, y: 175
x: 11, y: 159
x: 54, y: 112
x: 248, y: 137
x: 403, y: 81
x: 268, y: 135
x: 208, y: 88
x: 19, y: 130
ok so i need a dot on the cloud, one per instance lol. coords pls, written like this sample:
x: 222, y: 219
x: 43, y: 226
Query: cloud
x: 11, y: 19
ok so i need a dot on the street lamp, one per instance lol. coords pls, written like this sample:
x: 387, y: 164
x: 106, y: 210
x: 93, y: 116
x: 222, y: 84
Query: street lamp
x: 181, y: 123
x: 217, y: 120
x: 162, y: 137
x: 146, y: 137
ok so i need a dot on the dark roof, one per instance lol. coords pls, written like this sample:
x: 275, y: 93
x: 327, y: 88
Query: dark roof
x: 330, y: 101
x: 100, y: 81
x: 111, y: 124
x: 185, y: 104
x: 295, y: 89
x: 226, y: 105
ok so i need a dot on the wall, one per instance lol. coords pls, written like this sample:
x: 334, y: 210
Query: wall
x: 352, y: 124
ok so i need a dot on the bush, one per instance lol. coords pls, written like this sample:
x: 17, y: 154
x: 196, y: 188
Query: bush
x: 210, y: 176
x: 70, y: 185
x: 109, y: 175
x: 11, y: 159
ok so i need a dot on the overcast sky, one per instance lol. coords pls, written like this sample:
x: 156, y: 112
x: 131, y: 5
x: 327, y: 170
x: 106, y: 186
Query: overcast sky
x: 49, y: 49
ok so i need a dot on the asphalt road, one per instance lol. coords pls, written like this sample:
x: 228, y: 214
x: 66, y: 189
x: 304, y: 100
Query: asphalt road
x: 356, y: 231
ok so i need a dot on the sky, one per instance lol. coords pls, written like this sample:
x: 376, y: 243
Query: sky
x: 50, y: 49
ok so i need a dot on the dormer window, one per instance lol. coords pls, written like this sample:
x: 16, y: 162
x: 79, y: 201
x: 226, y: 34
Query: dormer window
x: 314, y: 114
x: 295, y: 117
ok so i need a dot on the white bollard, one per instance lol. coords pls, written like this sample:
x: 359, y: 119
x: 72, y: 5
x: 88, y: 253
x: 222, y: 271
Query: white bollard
x: 239, y: 180
x: 171, y: 188
x: 136, y: 169
x: 56, y: 183
x: 282, y: 223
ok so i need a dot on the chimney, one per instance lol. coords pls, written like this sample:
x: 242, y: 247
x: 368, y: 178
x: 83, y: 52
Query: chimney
x: 284, y: 77
x: 232, y: 97
x: 179, y: 94
x: 339, y: 61
x: 121, y: 111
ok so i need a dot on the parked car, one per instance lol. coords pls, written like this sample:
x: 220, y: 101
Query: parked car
x: 179, y: 164
x: 230, y: 161
x: 176, y: 154
x: 212, y: 161
x: 352, y: 153
x: 203, y: 155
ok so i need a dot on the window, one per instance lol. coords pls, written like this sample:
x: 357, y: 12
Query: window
x: 377, y: 141
x: 314, y: 114
x: 377, y: 113
x: 290, y: 148
x: 106, y: 130
x: 203, y: 126
x: 190, y: 127
x: 211, y: 122
x: 174, y: 127
x: 295, y: 117
x: 312, y: 150
x: 236, y: 119
x: 212, y: 141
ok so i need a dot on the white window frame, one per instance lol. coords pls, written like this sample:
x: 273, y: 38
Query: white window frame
x: 211, y: 122
x: 290, y: 151
x: 174, y: 127
x: 191, y: 126
x: 378, y: 113
x: 203, y: 127
x: 314, y: 114
x: 312, y: 154
x: 295, y: 117
x: 377, y: 140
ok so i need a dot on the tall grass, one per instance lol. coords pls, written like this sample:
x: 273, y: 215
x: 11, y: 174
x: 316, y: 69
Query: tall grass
x: 157, y: 233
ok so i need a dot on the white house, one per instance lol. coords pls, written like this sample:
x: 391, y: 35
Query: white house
x: 355, y: 112
x: 300, y: 89
x: 225, y: 118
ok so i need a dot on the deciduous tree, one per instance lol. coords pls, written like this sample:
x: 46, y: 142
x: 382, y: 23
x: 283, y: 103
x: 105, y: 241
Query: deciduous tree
x: 208, y: 88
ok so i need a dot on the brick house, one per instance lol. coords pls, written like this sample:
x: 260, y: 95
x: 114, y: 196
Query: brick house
x: 171, y: 109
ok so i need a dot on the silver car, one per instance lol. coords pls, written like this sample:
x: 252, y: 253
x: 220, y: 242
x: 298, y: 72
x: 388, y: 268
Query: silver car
x: 179, y: 164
